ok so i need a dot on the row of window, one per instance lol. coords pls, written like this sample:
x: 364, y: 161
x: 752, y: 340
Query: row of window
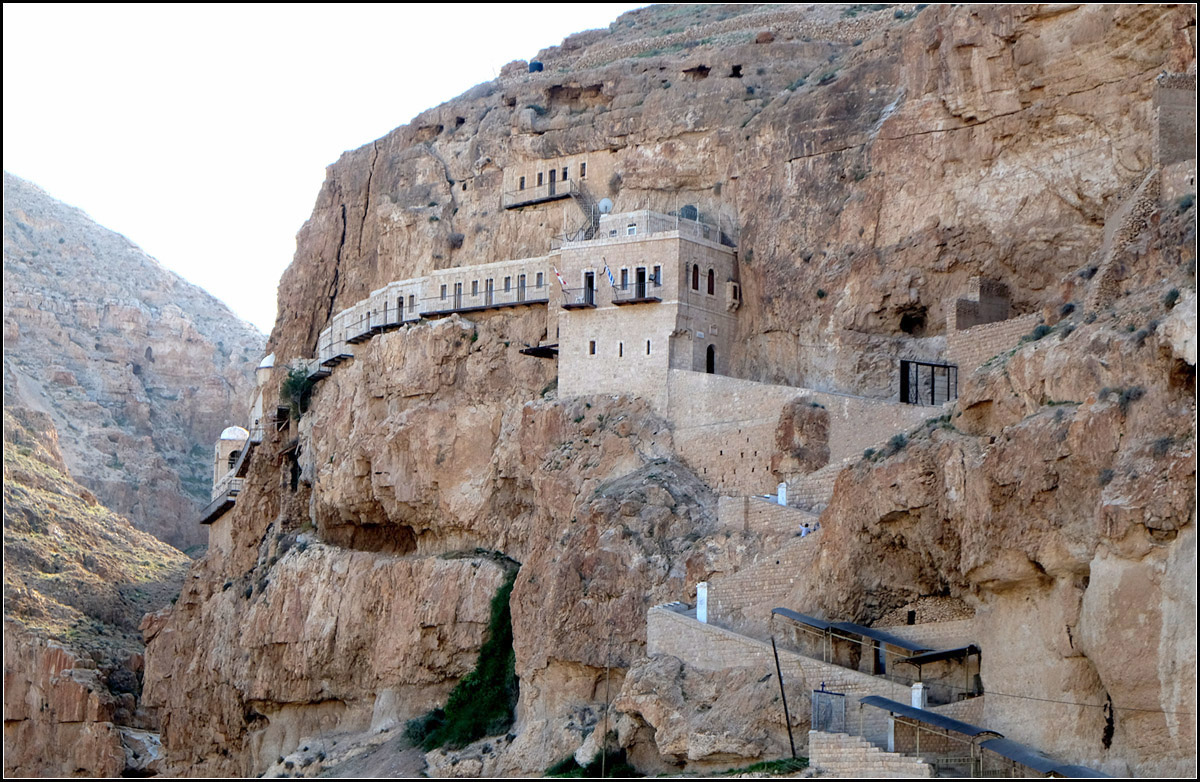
x: 620, y: 348
x: 712, y: 280
x: 554, y: 175
x: 489, y: 285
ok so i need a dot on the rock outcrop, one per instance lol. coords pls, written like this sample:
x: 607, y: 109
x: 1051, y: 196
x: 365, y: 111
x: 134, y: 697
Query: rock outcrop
x: 868, y: 167
x: 138, y: 369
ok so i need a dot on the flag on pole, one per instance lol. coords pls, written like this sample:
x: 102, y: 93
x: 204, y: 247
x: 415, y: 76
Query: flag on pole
x: 561, y: 281
x: 608, y: 271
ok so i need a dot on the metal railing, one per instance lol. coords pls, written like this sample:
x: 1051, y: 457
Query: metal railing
x: 925, y: 383
x: 229, y: 485
x: 578, y: 297
x: 484, y: 298
x: 543, y: 192
x: 644, y: 290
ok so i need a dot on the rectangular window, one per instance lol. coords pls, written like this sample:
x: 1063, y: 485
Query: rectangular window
x: 539, y: 184
x: 474, y: 287
x: 539, y: 279
x: 412, y: 301
x: 647, y: 347
x: 507, y: 284
x: 624, y: 279
x: 443, y: 293
x: 620, y: 349
x: 592, y: 347
x: 522, y: 185
x: 564, y: 174
x: 631, y: 229
x: 657, y: 276
x: 582, y: 170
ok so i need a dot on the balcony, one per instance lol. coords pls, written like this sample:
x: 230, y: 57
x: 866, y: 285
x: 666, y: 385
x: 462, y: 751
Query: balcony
x: 639, y: 293
x: 224, y: 495
x: 552, y: 191
x: 484, y: 299
x: 579, y: 299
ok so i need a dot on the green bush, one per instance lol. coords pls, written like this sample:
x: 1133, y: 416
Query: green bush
x: 897, y: 442
x: 1038, y: 332
x: 615, y: 765
x: 484, y: 702
x: 296, y: 391
x: 1170, y: 298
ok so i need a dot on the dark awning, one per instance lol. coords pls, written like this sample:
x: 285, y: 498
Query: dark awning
x: 881, y: 636
x: 928, y: 717
x: 803, y: 619
x: 1031, y: 758
x: 945, y: 654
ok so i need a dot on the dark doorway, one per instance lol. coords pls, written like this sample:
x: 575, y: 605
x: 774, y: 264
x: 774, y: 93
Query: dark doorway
x: 641, y: 282
x: 553, y: 178
x: 589, y: 288
x: 710, y: 361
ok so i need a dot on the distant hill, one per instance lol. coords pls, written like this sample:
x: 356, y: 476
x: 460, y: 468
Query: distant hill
x: 138, y: 369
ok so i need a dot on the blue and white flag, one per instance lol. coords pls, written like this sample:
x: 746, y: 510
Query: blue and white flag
x: 608, y: 271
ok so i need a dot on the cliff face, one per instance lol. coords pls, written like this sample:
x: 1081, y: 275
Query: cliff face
x: 868, y: 167
x: 77, y: 580
x: 139, y: 370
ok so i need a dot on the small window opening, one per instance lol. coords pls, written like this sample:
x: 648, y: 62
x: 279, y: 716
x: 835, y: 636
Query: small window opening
x: 631, y: 229
x: 464, y: 187
x: 657, y: 278
x: 582, y: 170
x: 712, y: 283
x: 647, y: 347
x: 412, y: 301
x: 539, y: 184
x: 443, y: 293
x: 736, y: 73
x: 696, y: 277
x: 507, y: 284
x: 474, y: 287
x: 591, y: 347
x: 233, y: 457
x: 624, y: 279
x: 522, y: 183
x: 565, y: 176
x: 539, y: 279
x: 620, y: 349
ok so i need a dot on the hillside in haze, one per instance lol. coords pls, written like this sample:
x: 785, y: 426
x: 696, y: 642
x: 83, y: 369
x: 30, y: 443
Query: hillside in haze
x: 138, y: 369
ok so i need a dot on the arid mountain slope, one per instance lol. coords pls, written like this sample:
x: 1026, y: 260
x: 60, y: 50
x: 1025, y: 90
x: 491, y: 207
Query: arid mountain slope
x: 138, y: 370
x: 868, y: 165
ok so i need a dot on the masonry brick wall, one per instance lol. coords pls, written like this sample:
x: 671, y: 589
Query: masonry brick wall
x: 849, y: 757
x: 708, y: 647
x: 744, y: 600
x: 938, y: 635
x: 1178, y: 179
x: 725, y: 427
x: 1175, y: 112
x: 969, y: 349
x: 761, y: 516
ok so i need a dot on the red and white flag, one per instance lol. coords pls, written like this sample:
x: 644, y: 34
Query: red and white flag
x: 561, y: 281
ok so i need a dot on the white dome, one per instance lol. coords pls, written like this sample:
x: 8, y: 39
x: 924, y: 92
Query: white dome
x: 235, y: 433
x: 268, y: 362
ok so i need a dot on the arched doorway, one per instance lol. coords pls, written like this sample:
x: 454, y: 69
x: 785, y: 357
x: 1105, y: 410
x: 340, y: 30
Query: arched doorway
x: 710, y: 362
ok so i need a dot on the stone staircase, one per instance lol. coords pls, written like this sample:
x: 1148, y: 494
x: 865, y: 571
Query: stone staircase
x: 850, y: 757
x: 1121, y: 227
x: 812, y: 492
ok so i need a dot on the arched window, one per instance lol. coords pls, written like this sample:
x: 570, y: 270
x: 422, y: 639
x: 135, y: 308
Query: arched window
x: 710, y: 362
x: 233, y: 457
x: 696, y: 278
x: 712, y: 282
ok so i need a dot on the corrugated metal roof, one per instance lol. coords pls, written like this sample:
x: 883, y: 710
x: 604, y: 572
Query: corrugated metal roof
x: 928, y: 717
x: 943, y: 654
x: 1031, y: 758
x: 881, y: 636
x: 803, y: 619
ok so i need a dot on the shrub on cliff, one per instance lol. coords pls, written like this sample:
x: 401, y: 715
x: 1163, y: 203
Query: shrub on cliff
x: 296, y: 390
x: 484, y: 702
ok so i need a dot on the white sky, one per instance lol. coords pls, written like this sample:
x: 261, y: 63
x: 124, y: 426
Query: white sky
x: 202, y: 132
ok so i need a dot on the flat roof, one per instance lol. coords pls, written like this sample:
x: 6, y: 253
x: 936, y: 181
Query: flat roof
x: 803, y: 619
x: 1031, y: 758
x: 881, y: 636
x: 943, y: 654
x: 928, y: 717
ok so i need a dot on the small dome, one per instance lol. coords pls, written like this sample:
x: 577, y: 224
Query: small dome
x: 268, y: 362
x: 235, y: 433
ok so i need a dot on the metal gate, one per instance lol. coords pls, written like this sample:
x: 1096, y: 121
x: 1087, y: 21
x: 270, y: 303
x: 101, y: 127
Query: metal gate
x: 828, y: 711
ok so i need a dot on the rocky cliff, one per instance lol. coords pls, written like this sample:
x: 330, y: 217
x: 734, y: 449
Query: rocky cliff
x: 868, y: 163
x: 139, y: 370
x: 77, y: 580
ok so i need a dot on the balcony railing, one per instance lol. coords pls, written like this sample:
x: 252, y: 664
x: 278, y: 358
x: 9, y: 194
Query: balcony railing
x: 483, y: 299
x: 549, y: 191
x: 641, y: 292
x: 579, y: 298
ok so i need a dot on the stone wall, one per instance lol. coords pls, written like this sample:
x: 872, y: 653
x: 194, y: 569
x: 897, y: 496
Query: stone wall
x: 1178, y: 180
x: 938, y: 635
x: 725, y: 428
x: 744, y: 600
x: 969, y: 349
x: 761, y: 516
x: 849, y: 757
x: 987, y: 301
x: 1175, y: 115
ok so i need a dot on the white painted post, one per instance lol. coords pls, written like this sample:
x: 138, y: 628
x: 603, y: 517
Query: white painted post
x: 919, y: 696
x: 782, y: 493
x: 702, y: 602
